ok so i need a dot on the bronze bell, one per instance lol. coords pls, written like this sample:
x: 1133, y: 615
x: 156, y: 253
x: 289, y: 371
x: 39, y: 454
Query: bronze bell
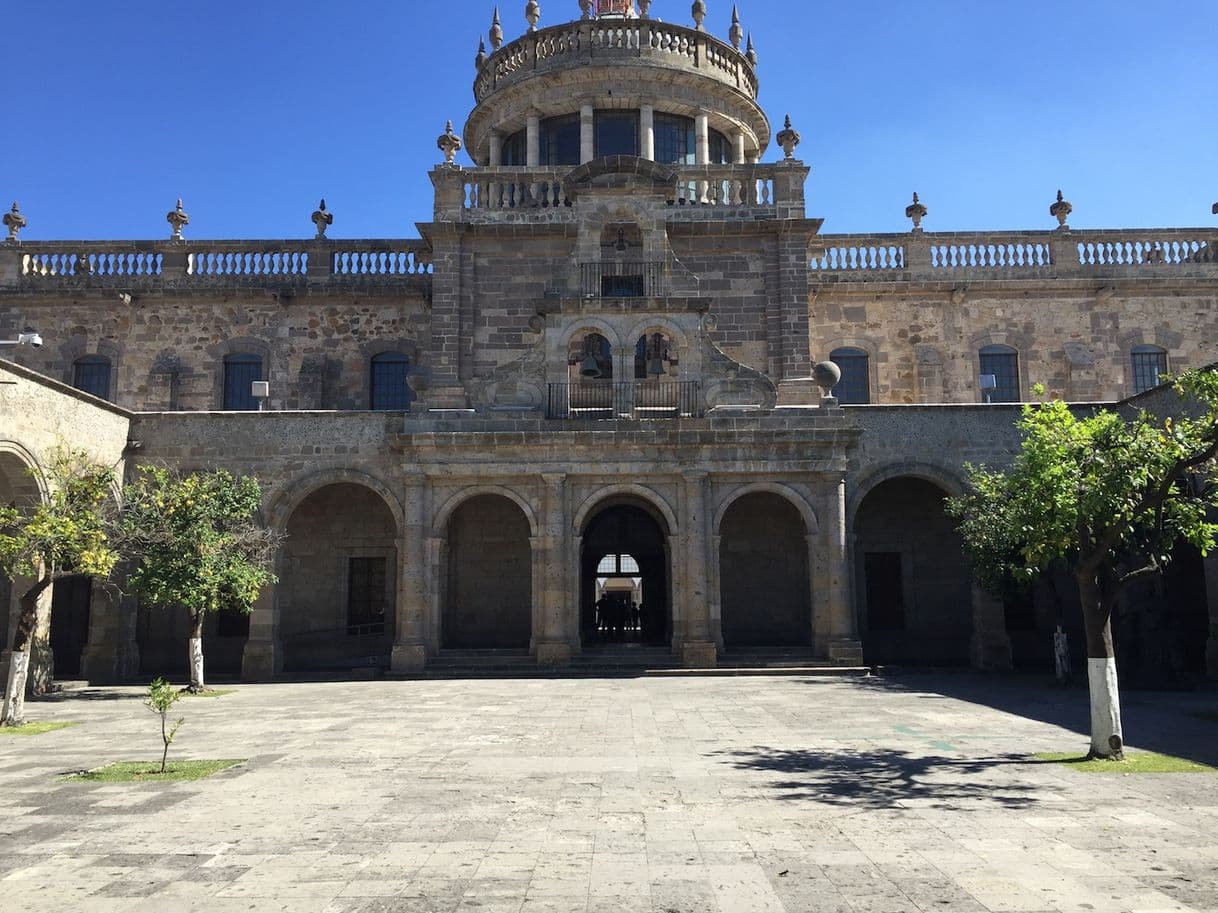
x: 655, y: 366
x: 589, y: 368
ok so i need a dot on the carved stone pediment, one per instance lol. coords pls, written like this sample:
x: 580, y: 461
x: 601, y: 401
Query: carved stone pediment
x: 729, y: 385
x: 622, y: 172
x: 516, y: 386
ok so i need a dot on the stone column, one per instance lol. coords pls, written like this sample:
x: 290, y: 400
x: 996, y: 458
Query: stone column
x: 436, y: 571
x: 647, y: 132
x: 702, y: 139
x: 112, y: 654
x: 496, y: 153
x: 844, y: 645
x: 410, y: 644
x: 587, y: 134
x: 738, y: 147
x: 1211, y: 593
x: 263, y: 658
x: 553, y: 647
x: 697, y: 647
x: 533, y: 141
x: 715, y: 587
x: 990, y: 647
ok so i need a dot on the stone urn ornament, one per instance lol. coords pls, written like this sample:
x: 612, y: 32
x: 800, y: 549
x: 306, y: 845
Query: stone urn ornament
x: 699, y: 13
x: 827, y: 375
x: 481, y: 58
x: 750, y: 51
x: 916, y: 212
x: 450, y: 144
x: 1061, y: 211
x: 532, y: 14
x: 585, y: 8
x: 645, y: 9
x: 496, y: 32
x: 14, y: 221
x: 735, y: 34
x: 1215, y: 210
x: 177, y: 219
x: 323, y: 219
x: 788, y: 137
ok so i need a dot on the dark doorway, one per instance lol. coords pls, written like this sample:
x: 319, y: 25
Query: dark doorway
x: 763, y: 574
x: 70, y: 603
x: 489, y: 602
x: 624, y: 579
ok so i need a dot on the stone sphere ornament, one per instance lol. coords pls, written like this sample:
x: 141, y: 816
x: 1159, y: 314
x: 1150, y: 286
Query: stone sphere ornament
x: 827, y: 375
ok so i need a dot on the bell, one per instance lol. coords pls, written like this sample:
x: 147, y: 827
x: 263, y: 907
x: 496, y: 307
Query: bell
x: 589, y: 368
x: 655, y: 366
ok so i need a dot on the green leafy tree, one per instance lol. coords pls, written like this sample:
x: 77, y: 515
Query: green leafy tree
x: 1110, y: 495
x: 161, y: 698
x: 68, y: 533
x: 194, y: 541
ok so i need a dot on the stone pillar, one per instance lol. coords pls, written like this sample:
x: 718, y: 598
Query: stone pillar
x: 410, y: 643
x: 1211, y: 592
x: 553, y: 647
x: 263, y: 657
x: 647, y: 132
x: 844, y: 645
x: 587, y: 134
x: 112, y: 654
x: 702, y: 139
x: 496, y: 153
x: 738, y: 147
x: 436, y: 571
x: 533, y: 141
x: 10, y: 264
x: 990, y: 647
x: 692, y: 581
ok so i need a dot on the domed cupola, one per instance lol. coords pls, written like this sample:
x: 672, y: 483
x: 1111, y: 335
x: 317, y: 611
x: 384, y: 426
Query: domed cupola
x: 616, y: 82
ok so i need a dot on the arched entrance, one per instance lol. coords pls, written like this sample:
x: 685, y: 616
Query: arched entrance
x: 489, y: 589
x: 913, y: 588
x: 625, y: 593
x: 765, y: 595
x: 338, y: 587
x: 71, y: 599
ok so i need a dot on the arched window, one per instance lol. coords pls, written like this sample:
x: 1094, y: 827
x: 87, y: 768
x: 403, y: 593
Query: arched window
x: 1149, y: 364
x: 515, y: 149
x: 92, y: 375
x: 999, y: 374
x: 591, y: 358
x: 854, y: 389
x: 240, y: 372
x: 390, y: 387
x: 654, y: 355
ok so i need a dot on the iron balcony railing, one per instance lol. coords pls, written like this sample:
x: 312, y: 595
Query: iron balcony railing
x: 624, y: 279
x: 637, y: 400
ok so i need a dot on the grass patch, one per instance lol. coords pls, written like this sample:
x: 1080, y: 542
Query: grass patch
x: 34, y: 728
x: 1136, y: 762
x: 210, y: 692
x: 150, y: 771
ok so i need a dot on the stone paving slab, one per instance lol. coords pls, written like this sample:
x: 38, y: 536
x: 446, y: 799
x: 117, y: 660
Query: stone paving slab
x: 657, y: 795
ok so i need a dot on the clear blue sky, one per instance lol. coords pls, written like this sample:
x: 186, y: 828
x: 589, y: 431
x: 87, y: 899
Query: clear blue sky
x: 253, y: 109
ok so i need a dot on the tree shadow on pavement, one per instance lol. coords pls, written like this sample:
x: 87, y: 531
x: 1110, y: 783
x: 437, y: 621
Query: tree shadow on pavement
x: 880, y: 779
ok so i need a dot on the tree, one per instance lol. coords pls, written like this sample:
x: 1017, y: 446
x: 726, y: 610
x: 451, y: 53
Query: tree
x: 193, y: 541
x: 1111, y: 496
x: 68, y: 533
x: 161, y: 698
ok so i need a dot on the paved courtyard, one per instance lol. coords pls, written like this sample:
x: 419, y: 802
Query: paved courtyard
x: 673, y: 795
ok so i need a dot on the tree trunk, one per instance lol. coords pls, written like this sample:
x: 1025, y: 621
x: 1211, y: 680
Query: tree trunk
x: 197, y: 683
x: 19, y: 662
x: 1098, y: 596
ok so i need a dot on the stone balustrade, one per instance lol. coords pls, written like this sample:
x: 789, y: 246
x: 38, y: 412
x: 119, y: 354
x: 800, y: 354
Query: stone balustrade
x: 1116, y: 253
x: 182, y: 264
x: 595, y: 41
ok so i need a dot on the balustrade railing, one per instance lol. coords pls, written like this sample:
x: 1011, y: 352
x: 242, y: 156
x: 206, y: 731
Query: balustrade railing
x: 579, y: 42
x: 613, y: 278
x: 638, y: 400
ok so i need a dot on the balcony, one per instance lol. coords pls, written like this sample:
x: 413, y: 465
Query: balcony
x: 628, y: 401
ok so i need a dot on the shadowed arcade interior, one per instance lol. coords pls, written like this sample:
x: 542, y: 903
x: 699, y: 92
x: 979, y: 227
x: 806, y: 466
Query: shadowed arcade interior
x: 624, y: 577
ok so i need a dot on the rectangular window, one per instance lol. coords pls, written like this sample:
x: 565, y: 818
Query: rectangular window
x: 1148, y: 366
x: 240, y: 372
x: 674, y: 139
x: 560, y: 140
x: 1004, y: 367
x: 366, y: 596
x: 885, y: 591
x: 621, y: 286
x: 617, y: 133
x: 92, y: 375
x: 854, y: 389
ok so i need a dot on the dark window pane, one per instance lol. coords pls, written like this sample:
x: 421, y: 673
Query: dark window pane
x: 674, y: 139
x: 1003, y: 363
x: 390, y: 383
x: 617, y: 133
x: 854, y: 389
x: 366, y: 596
x: 885, y: 591
x: 515, y: 149
x: 560, y: 141
x: 720, y: 149
x: 1149, y: 364
x: 92, y: 375
x: 240, y: 372
x: 621, y: 286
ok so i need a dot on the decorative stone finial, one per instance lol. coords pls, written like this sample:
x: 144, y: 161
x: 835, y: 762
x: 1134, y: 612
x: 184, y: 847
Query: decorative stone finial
x: 788, y: 137
x: 1061, y: 211
x: 496, y: 32
x: 14, y: 221
x: 178, y: 219
x: 450, y: 144
x: 481, y: 58
x: 585, y: 8
x: 323, y: 220
x: 645, y: 9
x: 532, y: 14
x: 751, y: 51
x: 917, y: 212
x: 827, y: 375
x: 735, y: 34
x: 699, y: 12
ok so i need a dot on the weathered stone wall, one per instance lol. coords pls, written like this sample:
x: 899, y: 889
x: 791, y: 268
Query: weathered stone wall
x: 490, y: 602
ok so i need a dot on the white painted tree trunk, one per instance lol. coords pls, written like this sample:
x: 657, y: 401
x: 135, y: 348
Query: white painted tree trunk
x: 196, y: 664
x: 14, y: 695
x: 1105, y: 708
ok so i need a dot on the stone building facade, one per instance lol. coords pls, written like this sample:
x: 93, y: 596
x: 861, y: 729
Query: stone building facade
x: 592, y: 374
